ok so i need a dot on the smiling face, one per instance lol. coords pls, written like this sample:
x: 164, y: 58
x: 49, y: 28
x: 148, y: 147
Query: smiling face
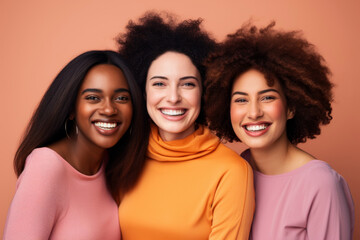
x: 103, y: 110
x: 173, y: 95
x: 258, y: 112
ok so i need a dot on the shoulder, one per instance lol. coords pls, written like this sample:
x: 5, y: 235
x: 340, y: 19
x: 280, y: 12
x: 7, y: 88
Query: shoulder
x: 46, y: 157
x: 232, y: 163
x: 321, y: 172
x: 320, y: 177
x: 230, y: 156
x: 44, y: 179
x: 43, y: 162
x: 225, y: 160
x: 330, y: 198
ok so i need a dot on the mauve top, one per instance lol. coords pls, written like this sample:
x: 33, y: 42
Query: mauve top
x: 55, y: 201
x: 311, y: 202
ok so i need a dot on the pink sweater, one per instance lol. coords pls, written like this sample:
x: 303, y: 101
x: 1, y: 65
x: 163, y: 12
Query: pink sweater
x: 312, y: 202
x: 55, y: 201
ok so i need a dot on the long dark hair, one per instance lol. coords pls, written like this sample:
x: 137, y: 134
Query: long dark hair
x: 126, y: 158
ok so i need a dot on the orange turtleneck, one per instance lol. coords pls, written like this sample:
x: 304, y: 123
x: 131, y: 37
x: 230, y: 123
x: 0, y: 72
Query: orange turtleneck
x: 192, y: 188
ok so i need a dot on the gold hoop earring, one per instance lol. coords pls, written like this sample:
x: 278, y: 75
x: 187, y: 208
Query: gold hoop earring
x: 66, y: 129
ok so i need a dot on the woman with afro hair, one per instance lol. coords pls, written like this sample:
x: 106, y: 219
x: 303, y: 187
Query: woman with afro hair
x: 270, y: 90
x: 192, y: 186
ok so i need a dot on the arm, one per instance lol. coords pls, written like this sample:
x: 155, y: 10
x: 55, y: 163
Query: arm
x: 33, y: 210
x: 332, y: 212
x: 234, y: 204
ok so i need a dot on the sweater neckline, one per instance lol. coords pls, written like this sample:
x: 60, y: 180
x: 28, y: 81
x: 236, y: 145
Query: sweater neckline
x: 246, y: 155
x: 198, y: 144
x: 293, y: 172
x: 74, y: 170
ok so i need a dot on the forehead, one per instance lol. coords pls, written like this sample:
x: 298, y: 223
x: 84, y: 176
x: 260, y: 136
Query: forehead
x: 253, y: 81
x: 104, y: 75
x: 173, y: 64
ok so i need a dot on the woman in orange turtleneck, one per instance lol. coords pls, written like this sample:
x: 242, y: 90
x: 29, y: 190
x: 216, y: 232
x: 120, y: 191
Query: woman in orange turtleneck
x: 192, y: 187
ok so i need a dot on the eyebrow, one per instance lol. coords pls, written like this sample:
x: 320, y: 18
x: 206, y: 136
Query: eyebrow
x: 100, y: 91
x: 189, y: 77
x: 122, y: 90
x: 161, y: 77
x: 182, y: 78
x: 261, y: 92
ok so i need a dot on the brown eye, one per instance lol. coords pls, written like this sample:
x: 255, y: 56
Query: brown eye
x: 92, y: 98
x: 268, y: 98
x: 240, y: 100
x: 122, y: 99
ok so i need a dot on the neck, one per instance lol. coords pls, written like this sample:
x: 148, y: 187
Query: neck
x: 169, y: 136
x: 86, y: 159
x: 280, y: 157
x: 80, y: 154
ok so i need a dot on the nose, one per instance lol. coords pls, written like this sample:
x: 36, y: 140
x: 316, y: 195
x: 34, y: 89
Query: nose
x: 173, y: 95
x: 108, y: 108
x: 255, y: 111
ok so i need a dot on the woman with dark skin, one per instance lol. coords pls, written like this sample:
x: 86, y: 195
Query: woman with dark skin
x: 271, y: 90
x: 82, y: 149
x: 192, y: 187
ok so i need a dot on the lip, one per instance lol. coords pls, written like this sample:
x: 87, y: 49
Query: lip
x: 106, y: 131
x: 176, y: 117
x: 256, y: 133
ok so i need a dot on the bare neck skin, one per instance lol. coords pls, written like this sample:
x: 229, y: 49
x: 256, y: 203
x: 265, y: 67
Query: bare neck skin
x: 280, y: 157
x: 83, y: 157
x: 166, y: 136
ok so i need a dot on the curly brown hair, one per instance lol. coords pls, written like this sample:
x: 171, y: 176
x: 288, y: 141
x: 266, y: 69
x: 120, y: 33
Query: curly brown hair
x: 284, y: 56
x: 157, y: 33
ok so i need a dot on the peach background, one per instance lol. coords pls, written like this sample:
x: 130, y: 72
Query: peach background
x: 39, y: 37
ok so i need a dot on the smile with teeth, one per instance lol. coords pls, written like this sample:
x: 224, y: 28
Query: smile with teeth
x: 105, y: 125
x: 255, y: 128
x: 173, y: 112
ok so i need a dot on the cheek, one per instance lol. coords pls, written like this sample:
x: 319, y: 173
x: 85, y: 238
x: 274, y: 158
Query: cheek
x: 237, y: 114
x: 277, y: 110
x: 194, y: 97
x: 82, y: 111
x: 152, y: 100
x: 151, y: 97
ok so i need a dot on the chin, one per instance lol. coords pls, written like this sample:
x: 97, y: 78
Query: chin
x: 254, y: 144
x: 107, y: 144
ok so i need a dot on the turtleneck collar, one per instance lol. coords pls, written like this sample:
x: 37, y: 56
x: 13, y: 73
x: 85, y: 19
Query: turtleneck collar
x: 196, y: 145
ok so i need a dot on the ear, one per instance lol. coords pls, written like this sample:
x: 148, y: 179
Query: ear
x: 290, y: 114
x: 72, y: 116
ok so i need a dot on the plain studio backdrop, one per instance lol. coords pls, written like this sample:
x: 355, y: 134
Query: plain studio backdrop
x: 39, y: 37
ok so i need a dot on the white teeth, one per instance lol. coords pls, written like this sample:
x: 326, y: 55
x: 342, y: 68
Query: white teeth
x: 105, y: 125
x: 173, y: 112
x: 254, y: 128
